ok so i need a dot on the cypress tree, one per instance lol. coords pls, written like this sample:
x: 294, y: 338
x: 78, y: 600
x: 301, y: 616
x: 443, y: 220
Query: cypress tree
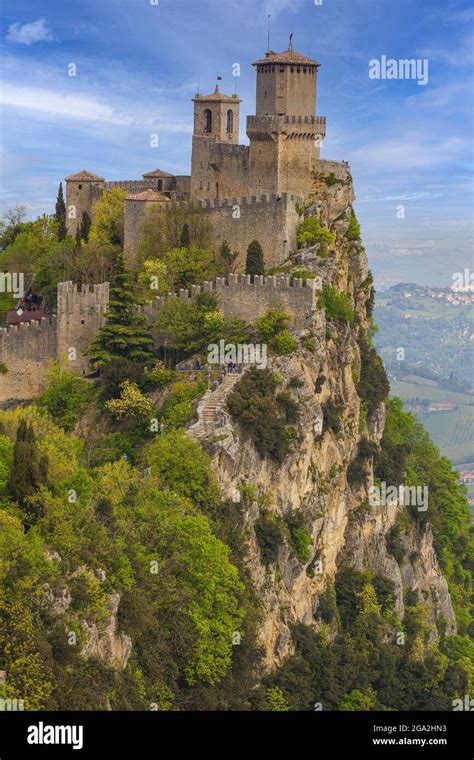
x: 61, y: 214
x: 29, y: 469
x: 185, y: 240
x: 125, y: 334
x: 85, y: 227
x: 255, y: 263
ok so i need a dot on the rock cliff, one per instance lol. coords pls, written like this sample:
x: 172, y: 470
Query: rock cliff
x: 314, y: 480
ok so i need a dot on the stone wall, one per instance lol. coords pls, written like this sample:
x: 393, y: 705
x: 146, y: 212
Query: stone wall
x: 271, y: 219
x: 79, y: 317
x: 219, y: 170
x: 240, y: 297
x: 26, y: 351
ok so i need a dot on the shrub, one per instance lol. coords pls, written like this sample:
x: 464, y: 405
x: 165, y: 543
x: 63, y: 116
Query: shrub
x: 394, y: 544
x: 356, y: 471
x: 337, y: 305
x: 66, y: 396
x: 327, y: 608
x: 270, y: 537
x: 272, y: 323
x: 318, y: 385
x: 373, y: 385
x: 132, y: 404
x: 296, y: 382
x: 331, y: 179
x: 353, y: 233
x: 263, y: 416
x: 300, y: 539
x: 311, y: 232
x: 178, y: 407
x: 385, y: 590
x: 332, y: 414
x: 284, y: 343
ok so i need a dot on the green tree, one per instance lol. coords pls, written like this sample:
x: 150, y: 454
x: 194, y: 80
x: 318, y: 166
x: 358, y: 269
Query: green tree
x: 29, y: 469
x: 185, y: 240
x: 310, y: 232
x: 255, y: 263
x: 85, y: 226
x: 61, y: 214
x: 107, y: 227
x: 125, y: 334
x: 227, y: 256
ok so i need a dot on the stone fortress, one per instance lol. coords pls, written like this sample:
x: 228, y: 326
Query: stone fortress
x: 247, y: 191
x: 250, y: 192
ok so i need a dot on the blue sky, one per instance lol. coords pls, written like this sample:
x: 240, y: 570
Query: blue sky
x: 137, y: 69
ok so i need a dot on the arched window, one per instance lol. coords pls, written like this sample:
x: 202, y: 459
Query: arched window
x: 207, y: 120
x: 230, y: 121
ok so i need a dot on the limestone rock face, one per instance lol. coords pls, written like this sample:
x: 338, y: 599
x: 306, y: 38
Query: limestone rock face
x: 344, y: 529
x: 105, y: 641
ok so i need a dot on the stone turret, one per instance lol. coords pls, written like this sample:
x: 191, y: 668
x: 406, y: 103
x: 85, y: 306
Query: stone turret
x: 285, y: 134
x: 83, y: 190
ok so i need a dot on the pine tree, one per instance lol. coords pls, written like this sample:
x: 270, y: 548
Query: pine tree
x: 255, y: 263
x: 125, y: 334
x: 29, y: 469
x: 61, y: 214
x: 185, y: 240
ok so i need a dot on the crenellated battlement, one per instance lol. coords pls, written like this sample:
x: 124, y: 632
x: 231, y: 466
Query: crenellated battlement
x: 241, y: 296
x: 26, y: 351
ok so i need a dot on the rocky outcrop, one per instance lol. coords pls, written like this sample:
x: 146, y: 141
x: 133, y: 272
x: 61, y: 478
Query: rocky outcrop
x: 313, y: 480
x: 105, y: 641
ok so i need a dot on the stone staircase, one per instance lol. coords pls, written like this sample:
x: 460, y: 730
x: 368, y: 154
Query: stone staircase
x: 216, y: 400
x: 212, y: 403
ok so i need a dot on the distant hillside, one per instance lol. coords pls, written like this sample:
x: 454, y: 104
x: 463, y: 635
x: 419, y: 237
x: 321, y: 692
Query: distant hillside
x: 434, y: 327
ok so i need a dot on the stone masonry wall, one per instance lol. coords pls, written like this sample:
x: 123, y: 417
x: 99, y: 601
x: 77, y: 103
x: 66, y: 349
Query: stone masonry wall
x: 270, y: 219
x: 80, y: 315
x: 240, y: 297
x: 26, y: 351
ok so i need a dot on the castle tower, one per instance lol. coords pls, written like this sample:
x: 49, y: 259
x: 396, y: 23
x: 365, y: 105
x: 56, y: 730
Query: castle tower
x: 216, y: 122
x: 285, y: 134
x: 83, y: 190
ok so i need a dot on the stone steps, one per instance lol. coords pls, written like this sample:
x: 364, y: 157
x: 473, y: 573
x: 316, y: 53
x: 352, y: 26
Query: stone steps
x: 215, y: 401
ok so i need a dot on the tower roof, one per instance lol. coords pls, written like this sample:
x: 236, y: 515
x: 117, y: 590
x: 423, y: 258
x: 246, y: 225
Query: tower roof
x: 217, y: 95
x: 287, y: 57
x: 157, y: 173
x: 147, y: 195
x: 85, y: 176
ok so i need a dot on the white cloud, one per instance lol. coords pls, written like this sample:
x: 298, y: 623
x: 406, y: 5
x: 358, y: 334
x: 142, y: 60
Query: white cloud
x: 82, y: 108
x: 28, y: 34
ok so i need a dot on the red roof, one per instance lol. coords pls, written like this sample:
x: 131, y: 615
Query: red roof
x: 157, y: 173
x: 13, y: 318
x: 288, y: 57
x: 147, y: 195
x: 219, y: 96
x: 84, y: 176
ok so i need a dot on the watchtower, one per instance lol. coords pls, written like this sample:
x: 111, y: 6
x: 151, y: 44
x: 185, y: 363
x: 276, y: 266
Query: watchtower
x: 83, y: 190
x: 216, y: 122
x: 285, y: 134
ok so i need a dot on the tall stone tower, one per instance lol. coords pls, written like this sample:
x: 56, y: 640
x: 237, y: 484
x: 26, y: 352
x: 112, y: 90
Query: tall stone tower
x: 83, y: 190
x: 216, y: 124
x: 285, y: 134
